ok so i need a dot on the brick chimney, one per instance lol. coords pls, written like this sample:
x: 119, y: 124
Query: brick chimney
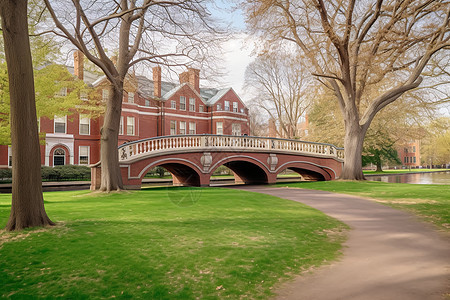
x: 157, y: 82
x: 78, y: 64
x: 184, y: 77
x: 191, y: 76
x: 194, y: 78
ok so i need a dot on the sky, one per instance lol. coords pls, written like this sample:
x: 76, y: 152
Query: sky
x: 238, y: 50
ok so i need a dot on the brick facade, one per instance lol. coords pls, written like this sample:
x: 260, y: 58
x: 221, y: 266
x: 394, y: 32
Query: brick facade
x: 150, y: 108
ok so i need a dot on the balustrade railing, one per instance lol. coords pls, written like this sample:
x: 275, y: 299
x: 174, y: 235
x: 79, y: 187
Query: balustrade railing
x: 222, y: 142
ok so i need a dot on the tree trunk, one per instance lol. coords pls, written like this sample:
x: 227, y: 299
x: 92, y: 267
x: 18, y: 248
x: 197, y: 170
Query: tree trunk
x: 27, y: 208
x: 353, y: 145
x: 379, y: 166
x: 111, y: 178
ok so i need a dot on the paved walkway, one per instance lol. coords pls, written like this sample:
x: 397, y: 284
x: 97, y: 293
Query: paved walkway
x: 389, y: 254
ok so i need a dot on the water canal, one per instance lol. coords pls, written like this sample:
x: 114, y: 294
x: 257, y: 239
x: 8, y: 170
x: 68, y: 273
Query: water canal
x: 415, y: 178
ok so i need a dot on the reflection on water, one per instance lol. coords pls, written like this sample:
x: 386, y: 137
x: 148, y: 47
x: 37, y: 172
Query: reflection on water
x: 418, y: 178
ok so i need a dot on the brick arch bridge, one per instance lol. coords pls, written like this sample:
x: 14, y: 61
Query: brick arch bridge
x: 192, y: 159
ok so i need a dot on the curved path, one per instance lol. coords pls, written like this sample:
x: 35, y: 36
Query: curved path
x: 389, y: 254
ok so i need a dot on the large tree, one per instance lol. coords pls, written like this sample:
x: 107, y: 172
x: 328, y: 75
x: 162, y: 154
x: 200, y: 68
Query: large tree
x: 27, y: 209
x: 174, y: 32
x: 369, y: 53
x: 435, y: 145
x: 48, y: 82
x: 280, y: 88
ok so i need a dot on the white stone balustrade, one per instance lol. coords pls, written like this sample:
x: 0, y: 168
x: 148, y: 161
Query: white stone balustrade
x: 183, y: 143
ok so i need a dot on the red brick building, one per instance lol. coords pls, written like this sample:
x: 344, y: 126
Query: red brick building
x: 150, y: 108
x: 409, y: 154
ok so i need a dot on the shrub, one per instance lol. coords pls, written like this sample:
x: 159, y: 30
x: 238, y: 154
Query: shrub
x: 5, y: 174
x: 66, y: 172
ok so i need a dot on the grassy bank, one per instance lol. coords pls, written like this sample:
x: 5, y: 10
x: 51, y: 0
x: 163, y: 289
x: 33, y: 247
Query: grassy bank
x: 403, y: 171
x: 164, y: 243
x: 432, y: 202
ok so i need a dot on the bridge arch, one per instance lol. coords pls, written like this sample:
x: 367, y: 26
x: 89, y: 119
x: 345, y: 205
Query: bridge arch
x: 184, y: 172
x: 246, y: 169
x: 193, y: 158
x: 309, y: 170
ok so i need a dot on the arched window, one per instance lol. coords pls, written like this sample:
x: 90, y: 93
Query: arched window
x: 59, y: 157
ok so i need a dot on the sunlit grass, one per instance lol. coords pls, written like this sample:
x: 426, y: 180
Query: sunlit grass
x: 432, y: 202
x: 164, y: 243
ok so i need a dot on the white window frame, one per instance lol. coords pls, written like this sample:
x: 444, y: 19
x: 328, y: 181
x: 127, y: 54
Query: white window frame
x: 131, y: 124
x: 62, y: 92
x: 201, y: 108
x: 236, y: 129
x: 88, y: 155
x: 182, y: 127
x: 121, y: 126
x: 147, y: 103
x: 219, y: 127
x: 84, y: 96
x: 192, y: 128
x: 235, y: 107
x: 130, y: 97
x: 59, y: 119
x: 191, y: 104
x: 173, y: 130
x: 226, y: 105
x: 173, y: 104
x: 105, y: 95
x: 182, y: 103
x: 219, y: 107
x: 83, y: 119
x: 63, y: 156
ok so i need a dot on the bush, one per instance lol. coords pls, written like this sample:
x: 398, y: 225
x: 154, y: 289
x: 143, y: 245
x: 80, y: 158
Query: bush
x: 66, y: 172
x: 156, y: 171
x: 222, y: 170
x: 5, y: 174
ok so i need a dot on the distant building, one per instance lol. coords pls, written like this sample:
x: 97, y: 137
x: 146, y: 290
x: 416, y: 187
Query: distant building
x: 409, y: 154
x: 300, y: 131
x: 150, y: 108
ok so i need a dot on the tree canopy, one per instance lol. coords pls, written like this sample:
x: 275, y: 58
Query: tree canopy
x: 367, y: 53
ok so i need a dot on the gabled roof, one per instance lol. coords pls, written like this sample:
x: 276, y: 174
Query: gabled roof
x: 170, y: 93
x: 209, y: 96
x: 215, y: 97
x: 145, y: 86
x: 100, y: 79
x: 88, y: 77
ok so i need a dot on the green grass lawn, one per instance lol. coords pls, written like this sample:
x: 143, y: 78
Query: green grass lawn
x: 164, y: 243
x: 432, y: 202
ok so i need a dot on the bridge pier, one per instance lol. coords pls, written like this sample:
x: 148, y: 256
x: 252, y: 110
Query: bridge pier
x: 204, y: 180
x: 96, y: 177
